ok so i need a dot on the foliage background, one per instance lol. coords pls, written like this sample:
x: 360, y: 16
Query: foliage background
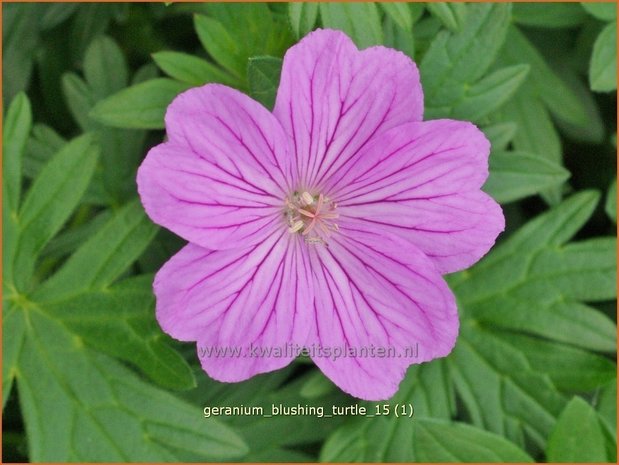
x: 89, y: 376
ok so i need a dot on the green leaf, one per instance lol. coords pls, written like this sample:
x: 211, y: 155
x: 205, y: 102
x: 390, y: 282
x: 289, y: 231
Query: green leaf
x: 105, y: 68
x: 120, y: 322
x: 450, y: 14
x: 145, y: 73
x: 541, y: 267
x: 90, y: 22
x: 603, y: 69
x: 386, y: 438
x: 400, y: 13
x: 263, y: 75
x: 607, y: 410
x: 584, y: 270
x: 515, y: 175
x: 20, y: 37
x: 317, y: 386
x: 104, y: 257
x: 549, y: 15
x: 218, y: 42
x: 603, y: 11
x: 303, y: 17
x: 191, y: 69
x: 51, y: 200
x: 567, y: 322
x: 607, y: 406
x: 500, y: 134
x: 441, y: 441
x: 106, y: 73
x: 232, y: 33
x: 111, y: 414
x: 55, y: 14
x: 532, y: 283
x: 141, y: 106
x: 79, y: 99
x: 396, y: 37
x: 611, y: 201
x: 578, y: 426
x: 455, y: 61
x: 513, y: 400
x: 281, y: 432
x: 15, y: 132
x: 13, y: 332
x: 485, y: 96
x: 43, y: 143
x: 546, y: 84
x: 360, y: 21
x: 536, y: 132
x: 594, y: 131
x: 66, y: 242
x: 570, y: 369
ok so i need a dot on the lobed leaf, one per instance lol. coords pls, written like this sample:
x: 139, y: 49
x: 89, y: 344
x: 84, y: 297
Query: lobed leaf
x: 450, y: 14
x: 500, y: 134
x: 105, y: 68
x: 514, y: 400
x: 550, y: 15
x: 42, y: 144
x: 15, y: 132
x: 547, y: 85
x: 191, y: 69
x: 50, y: 201
x: 400, y: 13
x: 104, y: 257
x: 120, y: 322
x: 13, y: 334
x: 611, y: 201
x: 603, y: 11
x: 263, y: 74
x: 360, y: 21
x: 485, y: 96
x: 578, y: 425
x: 141, y: 106
x: 457, y: 60
x: 515, y: 175
x: 302, y: 16
x: 441, y: 441
x: 386, y: 438
x: 232, y: 33
x: 570, y: 369
x: 20, y: 37
x: 603, y: 68
x: 100, y: 411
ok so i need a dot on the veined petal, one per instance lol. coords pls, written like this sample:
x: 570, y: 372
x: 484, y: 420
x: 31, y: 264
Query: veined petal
x: 332, y: 99
x: 378, y: 290
x: 206, y: 203
x: 232, y: 300
x: 234, y: 132
x: 422, y: 181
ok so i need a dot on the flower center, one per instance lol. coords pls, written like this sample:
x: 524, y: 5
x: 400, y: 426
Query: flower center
x: 312, y: 216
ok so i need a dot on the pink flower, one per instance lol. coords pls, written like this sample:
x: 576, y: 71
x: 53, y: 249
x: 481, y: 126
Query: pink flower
x: 328, y: 222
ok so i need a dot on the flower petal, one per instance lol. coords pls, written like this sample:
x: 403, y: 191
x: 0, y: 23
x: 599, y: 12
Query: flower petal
x: 232, y: 300
x: 233, y: 131
x: 204, y: 202
x: 378, y: 290
x: 422, y: 181
x: 332, y: 99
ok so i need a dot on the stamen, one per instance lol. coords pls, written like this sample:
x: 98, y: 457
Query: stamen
x: 296, y: 227
x: 311, y: 215
x: 307, y: 198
